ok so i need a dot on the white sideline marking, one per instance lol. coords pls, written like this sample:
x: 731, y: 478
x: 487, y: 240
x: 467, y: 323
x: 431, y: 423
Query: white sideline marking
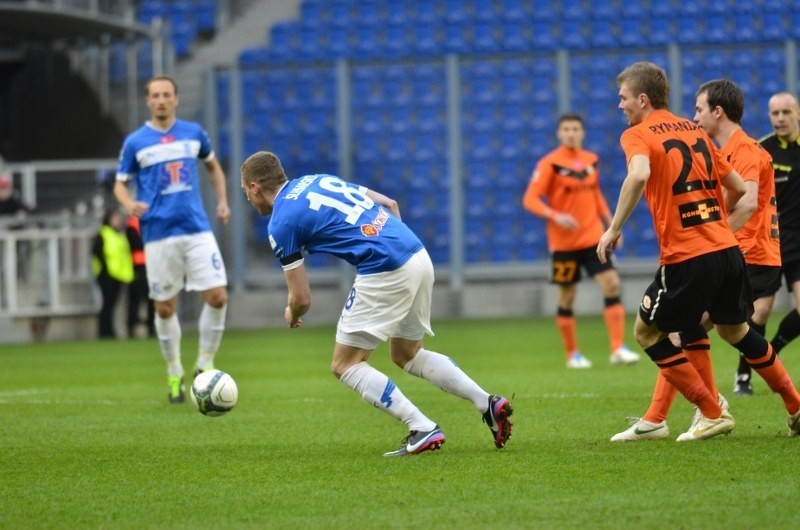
x: 25, y: 392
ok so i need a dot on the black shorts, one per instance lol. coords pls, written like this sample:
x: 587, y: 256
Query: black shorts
x: 765, y: 280
x: 567, y: 265
x: 716, y: 282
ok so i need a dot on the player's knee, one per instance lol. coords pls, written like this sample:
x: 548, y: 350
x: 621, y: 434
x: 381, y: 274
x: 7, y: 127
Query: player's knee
x: 217, y: 298
x: 338, y: 368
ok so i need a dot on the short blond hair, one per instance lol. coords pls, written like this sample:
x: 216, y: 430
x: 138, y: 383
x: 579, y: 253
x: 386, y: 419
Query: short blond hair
x: 649, y: 79
x: 265, y: 169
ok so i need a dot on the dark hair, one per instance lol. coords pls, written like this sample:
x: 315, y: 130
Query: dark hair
x: 160, y: 78
x: 569, y: 117
x: 725, y: 94
x: 649, y: 79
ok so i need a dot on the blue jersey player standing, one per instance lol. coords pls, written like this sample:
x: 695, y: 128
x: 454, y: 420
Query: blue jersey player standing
x: 161, y: 158
x: 390, y: 298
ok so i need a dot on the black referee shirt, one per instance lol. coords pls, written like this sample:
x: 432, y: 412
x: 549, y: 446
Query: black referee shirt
x: 786, y: 161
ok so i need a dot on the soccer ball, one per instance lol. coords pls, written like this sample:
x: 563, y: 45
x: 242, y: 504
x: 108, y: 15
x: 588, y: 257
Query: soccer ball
x: 214, y: 393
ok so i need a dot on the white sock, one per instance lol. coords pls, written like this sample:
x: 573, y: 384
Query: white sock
x: 379, y: 391
x: 444, y: 373
x: 168, y: 331
x: 211, y: 325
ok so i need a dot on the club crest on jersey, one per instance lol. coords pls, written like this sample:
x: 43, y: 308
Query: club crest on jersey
x: 167, y: 139
x: 376, y: 225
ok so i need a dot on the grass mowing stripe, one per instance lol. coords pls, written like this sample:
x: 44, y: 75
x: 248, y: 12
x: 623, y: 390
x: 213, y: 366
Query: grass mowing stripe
x: 88, y: 440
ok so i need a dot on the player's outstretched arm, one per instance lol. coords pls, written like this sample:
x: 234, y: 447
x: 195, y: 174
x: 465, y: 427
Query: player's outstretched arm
x: 299, y: 300
x: 383, y: 200
x: 217, y: 178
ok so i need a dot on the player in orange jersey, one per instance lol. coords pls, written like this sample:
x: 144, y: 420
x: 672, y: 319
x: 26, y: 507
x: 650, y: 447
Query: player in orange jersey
x: 718, y: 111
x: 575, y: 211
x: 681, y: 174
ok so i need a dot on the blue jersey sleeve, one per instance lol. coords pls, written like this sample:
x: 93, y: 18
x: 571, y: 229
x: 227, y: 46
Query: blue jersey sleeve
x: 286, y: 244
x: 205, y: 145
x: 128, y: 165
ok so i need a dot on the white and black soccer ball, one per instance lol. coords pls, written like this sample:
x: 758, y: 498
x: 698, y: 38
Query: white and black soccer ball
x: 214, y: 393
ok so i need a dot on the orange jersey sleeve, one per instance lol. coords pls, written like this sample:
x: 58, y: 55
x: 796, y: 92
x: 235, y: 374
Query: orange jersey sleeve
x: 568, y: 179
x: 684, y: 191
x: 758, y: 238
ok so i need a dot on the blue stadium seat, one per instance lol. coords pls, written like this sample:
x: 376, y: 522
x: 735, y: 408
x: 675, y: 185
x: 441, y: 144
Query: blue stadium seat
x: 456, y: 40
x: 573, y: 34
x: 632, y: 32
x: 606, y: 9
x: 368, y: 148
x: 794, y: 23
x: 367, y: 42
x: 543, y: 35
x: 313, y: 12
x: 516, y: 10
x: 150, y: 10
x: 368, y: 13
x: 480, y: 145
x: 399, y: 147
x: 117, y: 62
x: 692, y: 31
x: 486, y: 37
x: 515, y: 35
x: 430, y: 118
x: 399, y: 13
x: 718, y: 28
x: 604, y: 33
x: 664, y: 8
x: 338, y: 41
x: 253, y: 57
x: 480, y: 117
x: 428, y: 84
x: 662, y: 30
x: 545, y: 10
x: 427, y: 38
x: 778, y: 5
x: 310, y: 46
x: 575, y: 10
x: 457, y: 11
x: 775, y: 26
x: 397, y: 41
x: 206, y: 16
x: 339, y: 13
x: 744, y: 27
x: 751, y: 6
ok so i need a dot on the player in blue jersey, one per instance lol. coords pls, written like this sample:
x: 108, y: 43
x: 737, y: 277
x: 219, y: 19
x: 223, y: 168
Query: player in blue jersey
x: 161, y: 159
x: 390, y: 298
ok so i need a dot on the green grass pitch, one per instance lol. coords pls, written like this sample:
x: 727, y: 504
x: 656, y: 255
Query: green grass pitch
x: 88, y: 440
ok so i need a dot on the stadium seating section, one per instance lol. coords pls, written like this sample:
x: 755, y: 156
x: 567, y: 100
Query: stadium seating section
x: 508, y: 90
x: 185, y: 20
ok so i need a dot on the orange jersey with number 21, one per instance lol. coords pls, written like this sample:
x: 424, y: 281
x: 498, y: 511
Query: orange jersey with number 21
x: 684, y: 192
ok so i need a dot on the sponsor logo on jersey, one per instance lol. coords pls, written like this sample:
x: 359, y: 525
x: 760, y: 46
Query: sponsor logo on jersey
x: 376, y: 225
x: 700, y: 212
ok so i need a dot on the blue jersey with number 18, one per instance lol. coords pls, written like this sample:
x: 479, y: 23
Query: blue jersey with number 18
x: 325, y: 214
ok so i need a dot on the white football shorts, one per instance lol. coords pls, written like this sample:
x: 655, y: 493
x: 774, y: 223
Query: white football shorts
x: 389, y: 304
x: 193, y: 260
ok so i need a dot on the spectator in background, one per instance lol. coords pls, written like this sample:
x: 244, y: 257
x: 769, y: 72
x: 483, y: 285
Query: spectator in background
x: 10, y: 204
x: 575, y: 212
x: 112, y: 266
x: 138, y: 290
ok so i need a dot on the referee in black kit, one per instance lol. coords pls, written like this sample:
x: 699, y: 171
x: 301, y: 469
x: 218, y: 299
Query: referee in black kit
x: 784, y: 146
